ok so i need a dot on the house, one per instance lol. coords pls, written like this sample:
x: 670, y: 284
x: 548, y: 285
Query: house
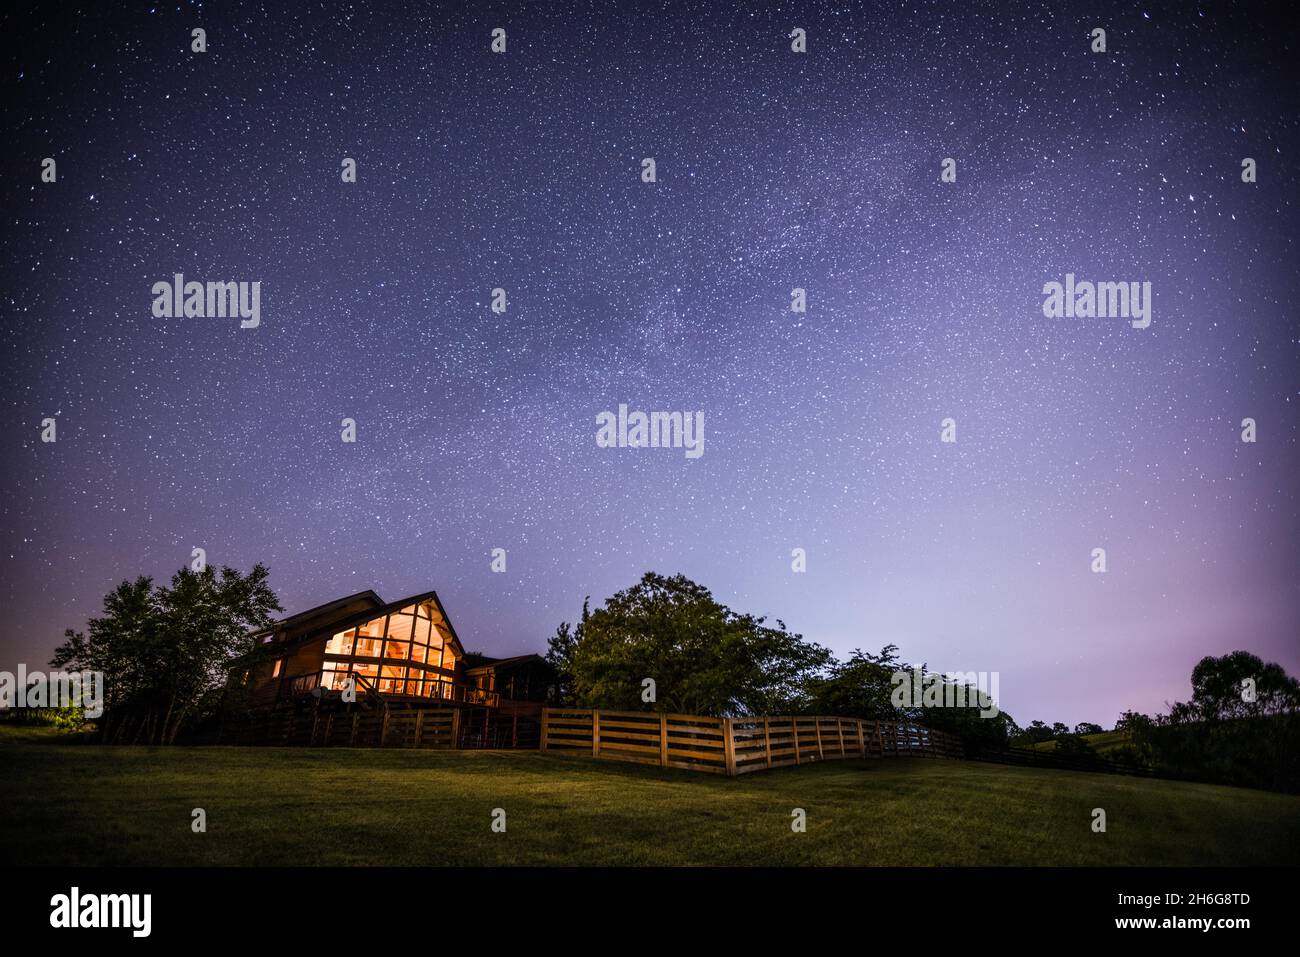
x: 522, y: 678
x: 360, y: 652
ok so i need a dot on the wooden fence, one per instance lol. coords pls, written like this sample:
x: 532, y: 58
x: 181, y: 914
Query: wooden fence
x: 1032, y: 757
x: 426, y: 728
x: 733, y: 746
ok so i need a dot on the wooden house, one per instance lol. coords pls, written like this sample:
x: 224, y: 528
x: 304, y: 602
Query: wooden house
x: 359, y: 651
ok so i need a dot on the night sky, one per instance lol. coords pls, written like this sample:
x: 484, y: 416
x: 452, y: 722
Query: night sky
x: 775, y: 170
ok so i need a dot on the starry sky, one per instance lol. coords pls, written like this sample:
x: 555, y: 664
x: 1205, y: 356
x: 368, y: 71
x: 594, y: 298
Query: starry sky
x: 775, y: 170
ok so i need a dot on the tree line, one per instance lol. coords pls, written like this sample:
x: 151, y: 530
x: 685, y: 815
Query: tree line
x: 666, y: 644
x: 1242, y: 725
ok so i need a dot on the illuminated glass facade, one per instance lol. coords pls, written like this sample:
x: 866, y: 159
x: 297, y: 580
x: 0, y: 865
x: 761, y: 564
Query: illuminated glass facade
x: 406, y: 652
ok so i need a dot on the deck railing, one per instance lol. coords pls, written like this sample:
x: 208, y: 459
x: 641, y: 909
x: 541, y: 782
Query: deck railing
x: 439, y: 689
x: 304, y: 683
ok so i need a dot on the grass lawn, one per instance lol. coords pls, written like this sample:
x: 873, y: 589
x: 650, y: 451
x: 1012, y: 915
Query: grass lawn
x: 71, y: 803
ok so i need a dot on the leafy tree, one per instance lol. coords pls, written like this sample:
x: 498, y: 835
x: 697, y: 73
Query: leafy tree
x: 163, y: 650
x: 1218, y: 736
x: 1218, y: 687
x: 977, y: 731
x: 1074, y: 744
x: 1036, y: 733
x: 861, y: 687
x: 559, y: 655
x: 703, y: 657
x: 864, y: 687
x: 1130, y: 720
x: 1087, y: 727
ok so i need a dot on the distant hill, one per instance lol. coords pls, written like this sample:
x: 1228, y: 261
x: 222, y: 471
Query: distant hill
x: 1100, y: 743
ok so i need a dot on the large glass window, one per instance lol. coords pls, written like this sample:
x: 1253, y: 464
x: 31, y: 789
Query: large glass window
x: 392, y: 679
x: 370, y: 638
x: 342, y: 643
x: 420, y: 641
x: 401, y: 626
x: 335, y: 676
x: 400, y: 647
x: 368, y: 671
x: 446, y: 656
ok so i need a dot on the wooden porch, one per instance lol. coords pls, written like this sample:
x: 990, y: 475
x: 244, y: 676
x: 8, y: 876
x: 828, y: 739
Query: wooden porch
x: 432, y: 692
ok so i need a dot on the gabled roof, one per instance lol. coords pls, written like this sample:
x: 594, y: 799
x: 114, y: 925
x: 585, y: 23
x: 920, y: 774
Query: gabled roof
x: 342, y: 622
x: 475, y: 663
x: 325, y: 612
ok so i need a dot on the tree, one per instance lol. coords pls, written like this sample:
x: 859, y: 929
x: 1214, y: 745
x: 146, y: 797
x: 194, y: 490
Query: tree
x: 164, y: 650
x: 864, y: 686
x: 1074, y: 744
x: 1221, y: 735
x: 1131, y: 721
x: 860, y: 687
x: 559, y: 655
x: 1219, y: 687
x: 702, y: 657
x: 1087, y: 727
x: 1036, y: 733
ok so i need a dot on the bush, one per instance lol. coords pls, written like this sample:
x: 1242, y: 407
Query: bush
x: 70, y: 718
x: 1259, y: 752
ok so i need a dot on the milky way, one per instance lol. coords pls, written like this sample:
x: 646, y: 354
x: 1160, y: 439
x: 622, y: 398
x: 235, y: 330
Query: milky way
x: 775, y: 170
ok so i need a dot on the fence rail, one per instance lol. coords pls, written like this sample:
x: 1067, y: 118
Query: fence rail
x: 733, y: 746
x: 427, y: 728
x: 1032, y: 757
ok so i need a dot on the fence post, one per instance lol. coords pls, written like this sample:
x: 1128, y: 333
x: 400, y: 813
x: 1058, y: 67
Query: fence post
x: 455, y: 729
x: 546, y: 715
x: 767, y: 741
x: 729, y: 747
x: 817, y: 726
x: 419, y: 726
x: 595, y: 732
x: 355, y: 718
x: 663, y: 739
x: 862, y: 744
x: 794, y: 732
x: 839, y: 729
x: 329, y: 727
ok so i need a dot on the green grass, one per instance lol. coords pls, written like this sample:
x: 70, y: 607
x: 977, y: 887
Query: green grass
x: 71, y: 803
